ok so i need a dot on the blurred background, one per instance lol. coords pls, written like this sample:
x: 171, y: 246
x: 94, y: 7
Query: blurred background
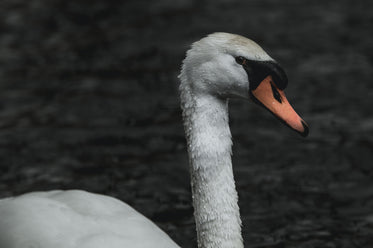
x: 88, y: 100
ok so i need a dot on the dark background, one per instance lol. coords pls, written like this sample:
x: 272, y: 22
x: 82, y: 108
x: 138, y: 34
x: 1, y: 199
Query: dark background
x: 88, y: 100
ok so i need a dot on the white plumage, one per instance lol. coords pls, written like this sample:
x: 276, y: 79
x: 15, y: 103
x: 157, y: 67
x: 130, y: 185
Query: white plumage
x: 211, y: 73
x: 75, y: 219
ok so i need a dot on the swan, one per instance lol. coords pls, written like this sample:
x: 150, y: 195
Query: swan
x: 217, y: 67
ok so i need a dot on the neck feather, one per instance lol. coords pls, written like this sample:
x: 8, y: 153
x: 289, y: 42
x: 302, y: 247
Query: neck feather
x: 209, y: 142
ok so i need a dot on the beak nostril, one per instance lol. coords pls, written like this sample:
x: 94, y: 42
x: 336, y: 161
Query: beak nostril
x: 276, y: 94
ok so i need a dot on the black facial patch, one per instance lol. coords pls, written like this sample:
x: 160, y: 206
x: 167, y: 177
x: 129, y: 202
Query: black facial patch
x: 257, y: 71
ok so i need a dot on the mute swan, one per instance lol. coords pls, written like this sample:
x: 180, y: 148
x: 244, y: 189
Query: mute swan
x: 218, y: 67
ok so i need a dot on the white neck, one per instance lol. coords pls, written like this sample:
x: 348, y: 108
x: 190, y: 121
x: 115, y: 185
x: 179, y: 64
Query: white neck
x: 209, y: 145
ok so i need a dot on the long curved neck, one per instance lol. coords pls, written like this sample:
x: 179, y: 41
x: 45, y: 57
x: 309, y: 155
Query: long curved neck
x: 209, y: 146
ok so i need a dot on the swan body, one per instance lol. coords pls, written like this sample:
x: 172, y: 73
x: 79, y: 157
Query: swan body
x: 216, y: 68
x: 75, y: 219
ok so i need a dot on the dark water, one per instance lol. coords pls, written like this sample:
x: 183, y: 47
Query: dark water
x: 88, y: 100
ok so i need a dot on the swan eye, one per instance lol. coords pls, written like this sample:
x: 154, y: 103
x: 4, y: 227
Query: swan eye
x: 240, y: 60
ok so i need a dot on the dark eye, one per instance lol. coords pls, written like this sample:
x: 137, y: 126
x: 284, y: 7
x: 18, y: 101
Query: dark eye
x: 240, y: 60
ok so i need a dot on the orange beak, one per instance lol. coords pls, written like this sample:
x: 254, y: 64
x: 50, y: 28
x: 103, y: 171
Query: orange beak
x: 272, y: 98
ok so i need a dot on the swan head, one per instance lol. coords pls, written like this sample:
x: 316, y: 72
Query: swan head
x: 231, y: 66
